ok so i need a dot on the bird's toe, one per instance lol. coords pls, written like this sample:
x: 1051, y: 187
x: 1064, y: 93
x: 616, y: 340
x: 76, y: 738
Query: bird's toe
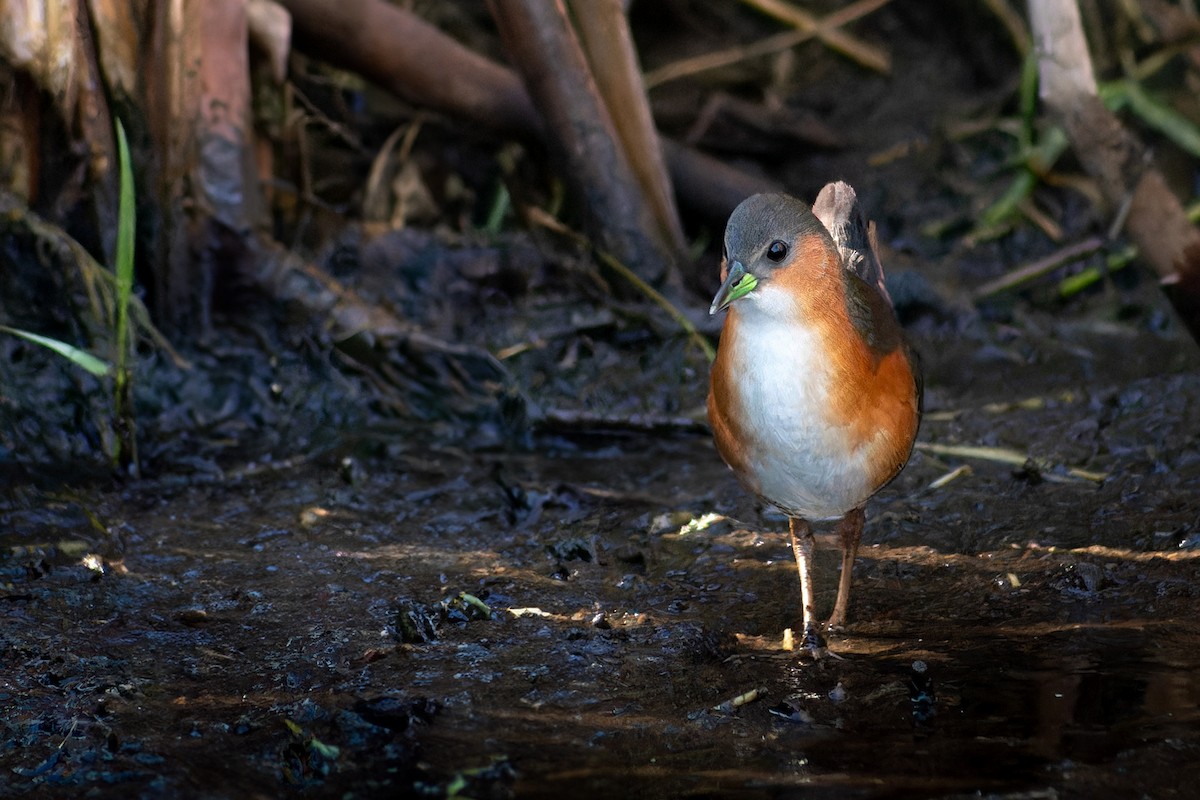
x: 813, y: 643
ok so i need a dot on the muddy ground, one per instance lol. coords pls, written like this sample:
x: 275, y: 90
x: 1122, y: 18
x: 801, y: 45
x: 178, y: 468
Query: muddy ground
x: 310, y: 595
x: 302, y: 628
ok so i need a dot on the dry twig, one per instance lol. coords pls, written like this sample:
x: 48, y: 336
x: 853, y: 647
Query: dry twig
x: 828, y: 30
x: 1036, y: 269
x: 807, y: 27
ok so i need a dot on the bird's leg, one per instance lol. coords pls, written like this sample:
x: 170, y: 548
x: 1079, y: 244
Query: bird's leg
x: 803, y: 546
x: 850, y: 532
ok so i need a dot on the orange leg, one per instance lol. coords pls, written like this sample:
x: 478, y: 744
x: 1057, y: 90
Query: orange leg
x: 803, y: 546
x: 850, y: 532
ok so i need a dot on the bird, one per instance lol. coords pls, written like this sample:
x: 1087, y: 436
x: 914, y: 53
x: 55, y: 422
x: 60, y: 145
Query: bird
x: 815, y: 396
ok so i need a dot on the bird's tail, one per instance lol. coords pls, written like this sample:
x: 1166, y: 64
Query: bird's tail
x: 838, y: 210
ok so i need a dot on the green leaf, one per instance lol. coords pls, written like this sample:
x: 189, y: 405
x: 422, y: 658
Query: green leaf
x: 1029, y: 90
x: 126, y: 224
x: 80, y: 358
x: 1006, y: 206
x: 501, y: 203
x: 1114, y: 95
x: 1158, y: 115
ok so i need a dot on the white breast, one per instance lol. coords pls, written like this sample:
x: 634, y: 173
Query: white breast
x: 800, y: 462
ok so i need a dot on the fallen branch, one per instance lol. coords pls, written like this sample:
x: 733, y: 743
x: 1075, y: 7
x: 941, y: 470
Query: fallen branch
x: 435, y: 71
x: 414, y: 60
x: 708, y: 186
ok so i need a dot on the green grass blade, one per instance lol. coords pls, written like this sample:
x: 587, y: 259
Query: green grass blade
x: 1006, y: 206
x: 126, y: 223
x: 124, y: 451
x: 1114, y: 95
x: 1163, y: 118
x: 1029, y: 98
x: 501, y: 203
x: 80, y: 358
x: 1074, y: 284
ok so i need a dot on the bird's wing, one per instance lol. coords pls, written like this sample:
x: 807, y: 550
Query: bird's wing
x: 838, y: 210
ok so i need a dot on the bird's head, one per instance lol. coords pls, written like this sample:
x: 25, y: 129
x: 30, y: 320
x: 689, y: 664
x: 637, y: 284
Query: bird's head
x: 764, y: 236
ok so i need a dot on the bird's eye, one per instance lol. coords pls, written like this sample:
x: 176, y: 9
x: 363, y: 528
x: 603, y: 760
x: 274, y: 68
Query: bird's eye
x: 777, y: 251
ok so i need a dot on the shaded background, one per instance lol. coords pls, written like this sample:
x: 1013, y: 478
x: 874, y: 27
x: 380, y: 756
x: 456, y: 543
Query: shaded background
x: 402, y: 356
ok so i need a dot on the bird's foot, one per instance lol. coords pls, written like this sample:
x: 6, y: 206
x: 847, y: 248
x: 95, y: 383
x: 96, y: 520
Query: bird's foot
x: 813, y: 643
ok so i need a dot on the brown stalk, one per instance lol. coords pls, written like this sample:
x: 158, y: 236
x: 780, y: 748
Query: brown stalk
x: 199, y: 102
x: 581, y: 135
x: 52, y: 42
x: 604, y: 31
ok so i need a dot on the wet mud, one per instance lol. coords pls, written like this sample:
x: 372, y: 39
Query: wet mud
x: 603, y: 615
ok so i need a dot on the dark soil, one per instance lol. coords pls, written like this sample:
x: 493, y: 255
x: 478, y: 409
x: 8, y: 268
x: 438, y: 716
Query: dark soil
x: 221, y: 631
